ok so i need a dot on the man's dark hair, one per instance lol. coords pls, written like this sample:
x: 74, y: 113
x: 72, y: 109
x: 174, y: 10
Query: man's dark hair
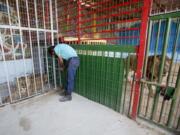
x: 51, y: 50
x: 61, y: 39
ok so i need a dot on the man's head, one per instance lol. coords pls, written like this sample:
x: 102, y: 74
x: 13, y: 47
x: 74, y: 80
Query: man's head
x: 61, y: 40
x: 51, y: 50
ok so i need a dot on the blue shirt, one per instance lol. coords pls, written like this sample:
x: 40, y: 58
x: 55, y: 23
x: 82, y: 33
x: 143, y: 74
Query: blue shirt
x: 65, y: 51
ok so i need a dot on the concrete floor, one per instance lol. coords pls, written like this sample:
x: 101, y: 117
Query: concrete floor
x: 45, y: 115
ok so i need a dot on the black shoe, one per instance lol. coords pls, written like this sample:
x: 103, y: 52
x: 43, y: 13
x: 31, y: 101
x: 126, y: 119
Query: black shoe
x: 62, y: 93
x: 66, y: 98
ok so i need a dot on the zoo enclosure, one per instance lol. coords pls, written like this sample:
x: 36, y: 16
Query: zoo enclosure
x: 109, y: 23
x: 28, y: 27
x: 120, y: 23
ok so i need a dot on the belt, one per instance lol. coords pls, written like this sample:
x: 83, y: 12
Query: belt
x: 73, y: 58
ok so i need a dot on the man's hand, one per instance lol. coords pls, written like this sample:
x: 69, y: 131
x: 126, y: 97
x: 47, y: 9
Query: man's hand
x: 62, y: 68
x: 60, y: 60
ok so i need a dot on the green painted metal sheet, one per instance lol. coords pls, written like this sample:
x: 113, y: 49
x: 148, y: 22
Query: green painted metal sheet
x: 114, y: 48
x: 101, y: 73
x: 100, y: 79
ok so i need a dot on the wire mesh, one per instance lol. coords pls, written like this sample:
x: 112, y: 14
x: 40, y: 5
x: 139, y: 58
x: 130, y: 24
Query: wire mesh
x: 25, y: 34
x: 100, y: 22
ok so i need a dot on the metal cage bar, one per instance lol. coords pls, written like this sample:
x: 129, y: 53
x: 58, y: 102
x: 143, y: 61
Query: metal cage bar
x: 39, y: 53
x: 102, y: 23
x: 140, y: 56
x: 162, y: 105
x: 29, y: 28
x: 31, y: 46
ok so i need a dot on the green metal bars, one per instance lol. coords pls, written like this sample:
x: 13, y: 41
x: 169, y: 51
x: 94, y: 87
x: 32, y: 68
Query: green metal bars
x: 101, y: 75
x: 160, y: 99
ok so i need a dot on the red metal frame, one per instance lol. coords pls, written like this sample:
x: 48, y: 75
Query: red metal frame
x: 111, y: 15
x: 79, y: 18
x: 104, y: 17
x: 140, y: 56
x: 95, y: 20
x: 104, y: 24
x: 109, y: 8
x: 109, y: 31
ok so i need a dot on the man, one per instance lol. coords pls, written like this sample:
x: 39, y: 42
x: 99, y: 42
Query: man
x: 67, y: 53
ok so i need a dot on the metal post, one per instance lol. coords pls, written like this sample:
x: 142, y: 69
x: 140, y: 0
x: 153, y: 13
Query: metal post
x: 156, y: 48
x: 44, y: 19
x: 60, y: 79
x: 164, y: 49
x: 21, y: 42
x: 79, y: 19
x: 175, y: 99
x: 140, y: 56
x: 155, y: 106
x: 52, y: 40
x: 126, y: 83
x: 39, y: 51
x: 7, y: 2
x: 145, y: 63
x: 152, y: 69
x: 31, y: 45
x: 56, y: 18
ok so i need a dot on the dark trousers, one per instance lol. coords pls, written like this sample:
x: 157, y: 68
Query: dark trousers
x: 73, y: 65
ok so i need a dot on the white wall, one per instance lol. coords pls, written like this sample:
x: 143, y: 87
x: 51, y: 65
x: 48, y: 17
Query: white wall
x: 15, y: 68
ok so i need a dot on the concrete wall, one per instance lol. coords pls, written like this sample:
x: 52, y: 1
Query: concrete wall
x: 14, y: 69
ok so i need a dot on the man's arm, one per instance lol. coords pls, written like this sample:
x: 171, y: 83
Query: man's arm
x: 60, y: 60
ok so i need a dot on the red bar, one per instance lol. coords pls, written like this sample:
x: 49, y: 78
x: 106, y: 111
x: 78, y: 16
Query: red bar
x: 108, y: 31
x: 109, y: 8
x: 117, y: 30
x: 104, y: 24
x: 111, y: 15
x: 122, y: 4
x: 108, y: 16
x: 78, y: 28
x: 92, y: 5
x: 140, y: 56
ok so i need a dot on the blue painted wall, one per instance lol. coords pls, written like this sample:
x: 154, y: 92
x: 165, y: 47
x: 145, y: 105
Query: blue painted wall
x: 171, y: 38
